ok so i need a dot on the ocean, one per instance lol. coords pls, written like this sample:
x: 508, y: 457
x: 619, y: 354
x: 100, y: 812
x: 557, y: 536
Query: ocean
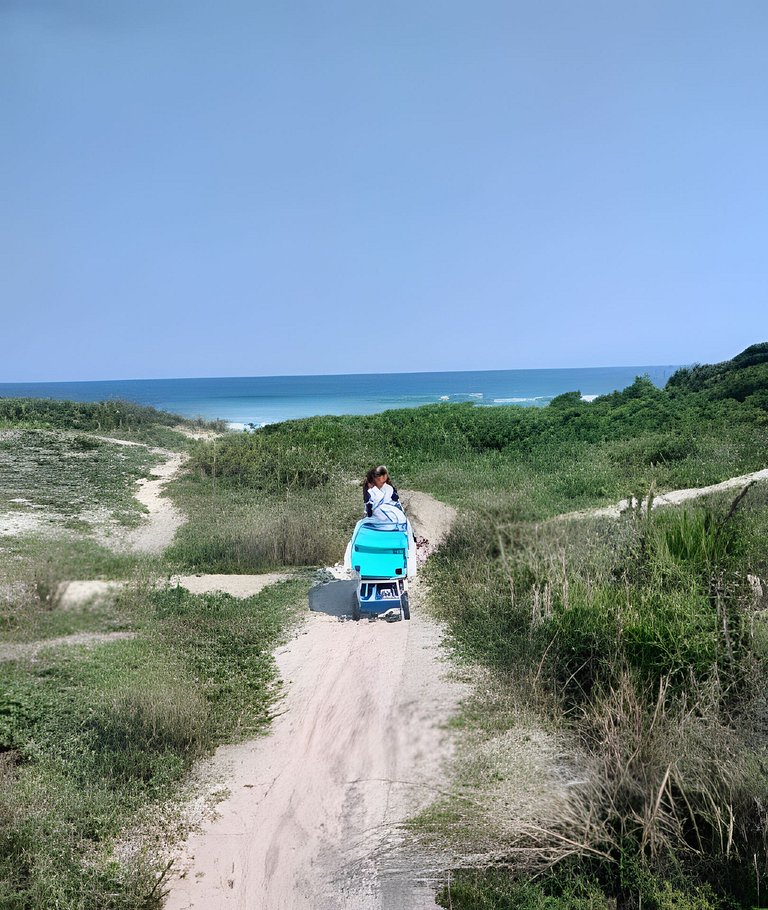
x: 258, y: 400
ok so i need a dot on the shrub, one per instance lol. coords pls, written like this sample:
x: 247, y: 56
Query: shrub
x: 149, y: 729
x: 113, y: 414
x: 253, y: 460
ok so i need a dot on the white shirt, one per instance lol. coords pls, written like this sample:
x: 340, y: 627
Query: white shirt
x: 383, y: 508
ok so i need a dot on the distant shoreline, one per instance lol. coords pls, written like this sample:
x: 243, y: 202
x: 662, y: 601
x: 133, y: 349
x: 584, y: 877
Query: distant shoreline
x: 262, y: 400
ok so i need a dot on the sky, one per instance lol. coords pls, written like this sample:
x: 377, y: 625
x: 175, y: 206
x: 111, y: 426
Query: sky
x: 266, y: 187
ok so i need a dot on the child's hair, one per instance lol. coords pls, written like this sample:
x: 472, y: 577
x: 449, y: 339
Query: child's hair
x: 368, y: 479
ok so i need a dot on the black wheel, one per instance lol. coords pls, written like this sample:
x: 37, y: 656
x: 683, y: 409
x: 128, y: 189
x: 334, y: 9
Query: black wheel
x: 355, y: 607
x: 405, y: 606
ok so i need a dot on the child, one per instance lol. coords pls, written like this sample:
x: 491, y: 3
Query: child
x: 380, y: 498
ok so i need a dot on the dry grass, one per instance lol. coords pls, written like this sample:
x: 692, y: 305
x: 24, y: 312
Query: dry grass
x: 629, y: 654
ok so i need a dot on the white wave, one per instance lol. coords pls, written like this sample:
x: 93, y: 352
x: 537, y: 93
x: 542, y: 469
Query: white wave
x: 520, y: 400
x: 461, y: 396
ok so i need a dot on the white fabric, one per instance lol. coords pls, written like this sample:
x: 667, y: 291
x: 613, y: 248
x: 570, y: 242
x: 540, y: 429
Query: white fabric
x: 384, y: 508
x: 382, y: 505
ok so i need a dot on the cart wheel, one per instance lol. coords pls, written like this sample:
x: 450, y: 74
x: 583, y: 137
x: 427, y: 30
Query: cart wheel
x: 355, y: 607
x: 405, y: 606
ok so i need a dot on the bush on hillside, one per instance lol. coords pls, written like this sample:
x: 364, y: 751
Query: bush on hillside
x: 711, y: 375
x: 51, y: 413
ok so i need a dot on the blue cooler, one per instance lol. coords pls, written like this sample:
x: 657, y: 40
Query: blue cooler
x: 379, y: 557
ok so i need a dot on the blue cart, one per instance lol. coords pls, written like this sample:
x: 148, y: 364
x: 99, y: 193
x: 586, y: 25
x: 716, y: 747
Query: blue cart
x: 380, y: 556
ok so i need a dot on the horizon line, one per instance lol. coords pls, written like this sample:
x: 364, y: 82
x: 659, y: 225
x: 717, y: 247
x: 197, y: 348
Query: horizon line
x: 320, y: 375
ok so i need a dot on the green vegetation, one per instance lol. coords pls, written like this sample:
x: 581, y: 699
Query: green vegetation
x: 287, y: 494
x: 31, y: 571
x: 614, y: 751
x: 638, y: 641
x: 94, y: 740
x: 637, y: 645
x: 101, y: 416
x: 740, y: 378
x: 57, y: 477
x: 237, y: 529
x: 89, y: 737
x: 544, y: 461
x: 116, y: 418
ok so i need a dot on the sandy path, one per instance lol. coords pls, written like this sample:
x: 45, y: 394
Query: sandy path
x: 164, y: 519
x: 671, y: 498
x: 675, y: 497
x: 312, y: 819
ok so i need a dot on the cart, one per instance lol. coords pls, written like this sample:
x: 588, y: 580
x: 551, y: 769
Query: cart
x: 382, y: 557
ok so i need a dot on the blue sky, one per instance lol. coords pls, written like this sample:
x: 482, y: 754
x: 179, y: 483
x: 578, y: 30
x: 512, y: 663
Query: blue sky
x: 258, y: 188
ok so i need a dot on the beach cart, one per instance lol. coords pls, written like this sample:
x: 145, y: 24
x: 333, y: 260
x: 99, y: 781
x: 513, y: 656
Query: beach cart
x: 382, y: 557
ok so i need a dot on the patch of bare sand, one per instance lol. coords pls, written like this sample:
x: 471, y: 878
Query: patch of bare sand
x: 429, y: 517
x: 17, y: 523
x: 121, y: 442
x: 315, y: 809
x: 204, y: 435
x: 74, y: 595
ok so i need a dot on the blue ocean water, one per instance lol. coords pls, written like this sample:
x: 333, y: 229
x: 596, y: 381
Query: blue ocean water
x: 242, y: 400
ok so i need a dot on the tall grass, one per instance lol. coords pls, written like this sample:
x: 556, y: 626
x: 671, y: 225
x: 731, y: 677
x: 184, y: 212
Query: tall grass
x: 644, y: 635
x: 234, y: 528
x: 551, y: 460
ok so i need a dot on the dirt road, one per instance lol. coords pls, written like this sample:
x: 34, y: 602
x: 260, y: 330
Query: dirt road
x: 313, y: 819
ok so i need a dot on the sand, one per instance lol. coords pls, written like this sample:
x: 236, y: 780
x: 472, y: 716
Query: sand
x: 163, y: 518
x: 76, y: 594
x: 17, y: 524
x: 314, y: 811
x: 236, y: 585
